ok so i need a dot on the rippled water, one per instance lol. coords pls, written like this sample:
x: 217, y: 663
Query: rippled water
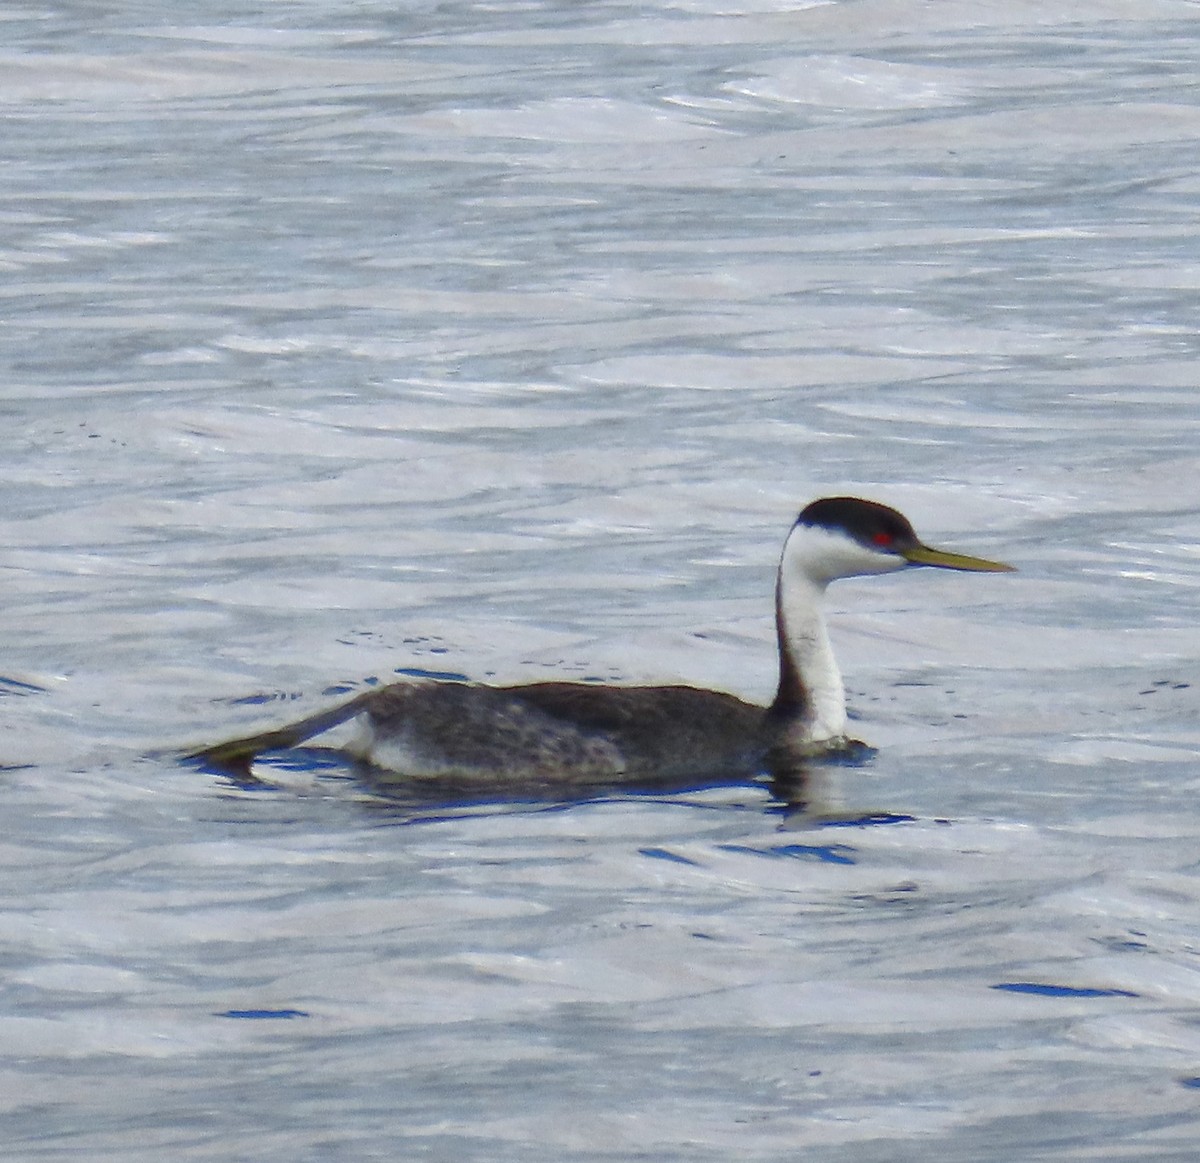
x: 505, y: 340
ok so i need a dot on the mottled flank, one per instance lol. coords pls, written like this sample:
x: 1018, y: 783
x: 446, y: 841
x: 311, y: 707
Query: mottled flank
x: 553, y: 733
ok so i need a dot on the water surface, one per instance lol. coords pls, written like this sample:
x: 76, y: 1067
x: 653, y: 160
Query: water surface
x: 505, y: 341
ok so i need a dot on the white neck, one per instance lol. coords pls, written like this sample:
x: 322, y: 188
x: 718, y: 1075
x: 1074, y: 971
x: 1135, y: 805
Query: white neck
x: 805, y: 648
x: 811, y: 702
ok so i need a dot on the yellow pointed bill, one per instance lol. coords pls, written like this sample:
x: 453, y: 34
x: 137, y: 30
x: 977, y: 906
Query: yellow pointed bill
x: 924, y: 555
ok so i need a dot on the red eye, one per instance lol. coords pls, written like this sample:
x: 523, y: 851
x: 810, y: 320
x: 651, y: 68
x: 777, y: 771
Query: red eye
x: 882, y: 539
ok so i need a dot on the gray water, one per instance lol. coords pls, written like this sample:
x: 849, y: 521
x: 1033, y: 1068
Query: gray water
x: 505, y: 340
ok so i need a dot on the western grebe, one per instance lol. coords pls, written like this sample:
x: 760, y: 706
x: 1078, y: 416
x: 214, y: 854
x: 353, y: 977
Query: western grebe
x: 563, y: 734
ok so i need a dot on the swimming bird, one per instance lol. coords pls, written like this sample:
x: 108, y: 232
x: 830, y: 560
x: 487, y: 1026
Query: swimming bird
x: 571, y: 734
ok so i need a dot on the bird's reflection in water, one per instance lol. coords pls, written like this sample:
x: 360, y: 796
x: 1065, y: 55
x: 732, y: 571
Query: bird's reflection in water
x: 808, y: 794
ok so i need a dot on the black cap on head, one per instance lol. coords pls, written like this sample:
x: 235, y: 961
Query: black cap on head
x: 871, y: 524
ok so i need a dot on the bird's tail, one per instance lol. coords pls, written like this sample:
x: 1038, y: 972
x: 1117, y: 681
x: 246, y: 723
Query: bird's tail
x: 236, y: 755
